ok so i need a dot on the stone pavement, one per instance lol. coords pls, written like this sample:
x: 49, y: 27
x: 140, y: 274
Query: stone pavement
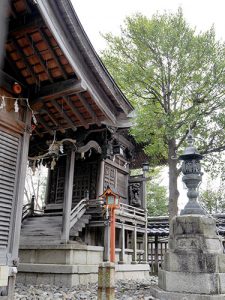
x: 125, y: 290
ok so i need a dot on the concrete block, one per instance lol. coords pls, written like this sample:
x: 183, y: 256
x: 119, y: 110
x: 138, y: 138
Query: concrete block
x: 46, y: 278
x: 63, y: 280
x: 31, y: 278
x: 163, y: 295
x: 199, y: 283
x: 196, y: 262
x: 94, y: 257
x: 221, y: 263
x: 75, y: 280
x: 87, y: 269
x: 80, y: 257
x: 222, y: 283
x: 4, y: 273
x: 193, y: 224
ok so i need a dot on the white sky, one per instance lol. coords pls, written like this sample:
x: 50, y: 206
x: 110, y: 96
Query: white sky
x: 107, y: 15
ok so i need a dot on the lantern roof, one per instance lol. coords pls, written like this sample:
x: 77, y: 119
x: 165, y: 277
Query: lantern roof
x: 190, y: 152
x: 109, y: 191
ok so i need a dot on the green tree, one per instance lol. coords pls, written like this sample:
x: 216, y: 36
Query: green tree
x: 213, y: 199
x: 157, y: 200
x: 175, y: 79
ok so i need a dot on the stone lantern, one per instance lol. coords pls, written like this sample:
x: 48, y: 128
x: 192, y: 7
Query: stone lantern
x: 191, y: 169
x: 194, y: 265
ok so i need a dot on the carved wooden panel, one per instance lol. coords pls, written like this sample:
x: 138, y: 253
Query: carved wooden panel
x: 109, y: 176
x: 122, y: 184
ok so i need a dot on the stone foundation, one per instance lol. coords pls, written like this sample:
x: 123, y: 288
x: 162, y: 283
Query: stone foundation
x: 69, y: 265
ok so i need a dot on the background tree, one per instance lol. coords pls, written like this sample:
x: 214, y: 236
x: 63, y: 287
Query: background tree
x: 35, y: 185
x: 175, y: 79
x: 156, y: 192
x: 157, y: 198
x: 213, y: 199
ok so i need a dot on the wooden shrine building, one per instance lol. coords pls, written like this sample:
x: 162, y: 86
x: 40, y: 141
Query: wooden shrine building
x: 58, y: 100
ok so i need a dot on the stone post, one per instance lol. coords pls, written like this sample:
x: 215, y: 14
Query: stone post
x: 106, y: 281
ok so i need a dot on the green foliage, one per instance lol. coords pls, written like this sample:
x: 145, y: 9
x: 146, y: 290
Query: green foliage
x: 157, y: 200
x: 174, y: 78
x: 213, y: 199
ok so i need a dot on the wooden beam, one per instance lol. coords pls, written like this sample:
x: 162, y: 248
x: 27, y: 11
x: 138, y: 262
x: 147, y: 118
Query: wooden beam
x: 76, y: 112
x: 24, y: 58
x: 63, y: 114
x: 44, y: 124
x: 59, y: 28
x: 88, y: 108
x: 53, y: 119
x: 24, y: 24
x: 51, y: 50
x: 40, y: 58
x: 59, y: 89
x: 7, y: 81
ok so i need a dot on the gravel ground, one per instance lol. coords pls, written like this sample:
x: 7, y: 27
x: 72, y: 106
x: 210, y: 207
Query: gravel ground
x: 125, y: 290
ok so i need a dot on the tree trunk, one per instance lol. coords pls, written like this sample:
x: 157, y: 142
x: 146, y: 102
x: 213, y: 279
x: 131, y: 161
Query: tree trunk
x: 173, y: 175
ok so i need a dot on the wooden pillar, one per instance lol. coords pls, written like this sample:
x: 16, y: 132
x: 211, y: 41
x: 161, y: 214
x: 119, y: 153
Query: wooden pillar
x: 18, y: 207
x: 48, y: 183
x: 122, y: 244
x: 134, y: 245
x: 106, y: 253
x: 112, y: 235
x: 4, y: 8
x: 100, y: 179
x: 68, y: 195
x: 156, y: 263
x: 145, y: 258
x: 144, y: 193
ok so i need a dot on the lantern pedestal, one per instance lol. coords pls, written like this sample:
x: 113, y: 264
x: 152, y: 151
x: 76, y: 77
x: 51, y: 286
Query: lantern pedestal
x: 194, y: 266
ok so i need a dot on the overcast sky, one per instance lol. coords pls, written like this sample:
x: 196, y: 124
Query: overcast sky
x: 106, y: 16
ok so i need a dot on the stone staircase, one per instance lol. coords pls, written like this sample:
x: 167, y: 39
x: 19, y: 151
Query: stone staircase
x: 46, y: 229
x: 78, y: 227
x: 41, y: 229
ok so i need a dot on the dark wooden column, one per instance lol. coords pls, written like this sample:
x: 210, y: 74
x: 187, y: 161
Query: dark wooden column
x: 145, y: 238
x: 68, y: 195
x: 106, y: 253
x: 122, y: 244
x: 17, y: 207
x: 4, y: 5
x: 134, y: 245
